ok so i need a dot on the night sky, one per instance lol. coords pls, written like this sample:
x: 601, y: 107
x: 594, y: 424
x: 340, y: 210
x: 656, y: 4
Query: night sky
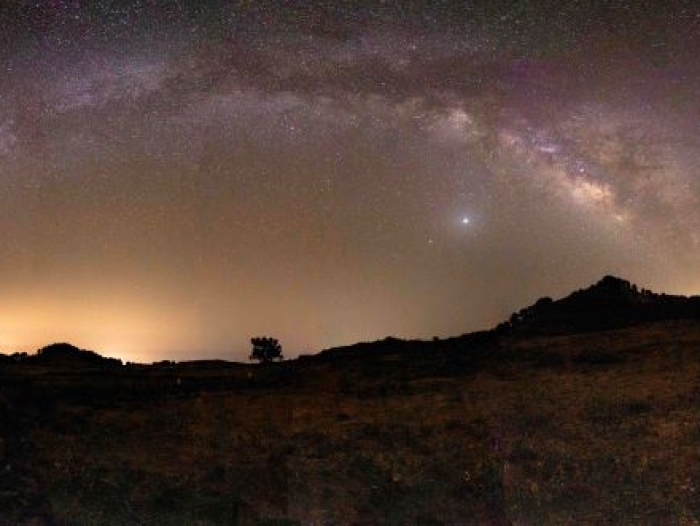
x: 176, y: 177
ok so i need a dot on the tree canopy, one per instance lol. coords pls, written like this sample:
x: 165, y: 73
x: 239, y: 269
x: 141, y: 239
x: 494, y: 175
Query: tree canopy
x: 265, y: 349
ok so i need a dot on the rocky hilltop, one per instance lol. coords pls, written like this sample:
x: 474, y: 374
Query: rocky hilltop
x: 610, y: 303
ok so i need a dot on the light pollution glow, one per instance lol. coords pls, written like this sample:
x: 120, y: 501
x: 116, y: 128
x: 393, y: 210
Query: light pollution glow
x: 175, y: 179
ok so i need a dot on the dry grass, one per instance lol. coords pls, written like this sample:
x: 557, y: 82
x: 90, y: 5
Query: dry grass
x: 601, y: 428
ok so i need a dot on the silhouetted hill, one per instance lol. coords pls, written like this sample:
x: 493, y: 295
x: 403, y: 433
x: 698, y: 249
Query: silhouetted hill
x: 499, y: 427
x: 543, y: 421
x: 67, y: 355
x: 610, y: 303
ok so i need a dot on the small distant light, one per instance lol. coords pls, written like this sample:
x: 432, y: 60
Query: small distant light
x: 465, y: 221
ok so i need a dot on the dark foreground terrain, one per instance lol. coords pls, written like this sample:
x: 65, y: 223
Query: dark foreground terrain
x: 521, y: 425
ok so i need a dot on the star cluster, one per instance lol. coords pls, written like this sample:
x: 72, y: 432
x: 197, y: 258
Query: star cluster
x: 178, y: 176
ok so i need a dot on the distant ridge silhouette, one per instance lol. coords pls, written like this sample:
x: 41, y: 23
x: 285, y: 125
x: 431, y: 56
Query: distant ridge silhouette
x: 62, y: 355
x: 610, y: 303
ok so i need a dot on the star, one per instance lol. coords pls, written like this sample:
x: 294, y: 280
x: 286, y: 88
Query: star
x: 232, y: 160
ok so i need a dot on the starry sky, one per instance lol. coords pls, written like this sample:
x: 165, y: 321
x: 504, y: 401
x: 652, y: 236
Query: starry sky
x: 176, y: 177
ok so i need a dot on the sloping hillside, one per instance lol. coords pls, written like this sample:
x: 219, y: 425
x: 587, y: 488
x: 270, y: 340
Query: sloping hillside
x: 522, y: 425
x: 610, y: 303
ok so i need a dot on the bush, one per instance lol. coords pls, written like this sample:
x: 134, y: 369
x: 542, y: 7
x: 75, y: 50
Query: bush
x: 265, y: 349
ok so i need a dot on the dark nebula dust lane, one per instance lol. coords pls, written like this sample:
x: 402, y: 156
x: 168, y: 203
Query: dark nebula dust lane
x: 176, y: 177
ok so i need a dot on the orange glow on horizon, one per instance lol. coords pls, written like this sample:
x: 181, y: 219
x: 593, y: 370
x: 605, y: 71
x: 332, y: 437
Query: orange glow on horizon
x: 126, y: 329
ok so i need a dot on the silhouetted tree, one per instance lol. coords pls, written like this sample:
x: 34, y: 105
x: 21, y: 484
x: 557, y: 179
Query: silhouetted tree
x: 265, y: 349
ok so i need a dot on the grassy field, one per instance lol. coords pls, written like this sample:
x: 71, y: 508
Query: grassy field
x: 585, y: 429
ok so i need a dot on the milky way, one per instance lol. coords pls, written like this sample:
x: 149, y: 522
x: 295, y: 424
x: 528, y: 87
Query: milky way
x: 177, y: 177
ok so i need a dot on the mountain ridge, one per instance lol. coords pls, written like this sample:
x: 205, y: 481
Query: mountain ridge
x: 610, y: 303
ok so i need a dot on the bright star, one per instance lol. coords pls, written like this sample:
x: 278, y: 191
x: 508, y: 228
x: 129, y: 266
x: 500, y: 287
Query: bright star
x: 465, y: 221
